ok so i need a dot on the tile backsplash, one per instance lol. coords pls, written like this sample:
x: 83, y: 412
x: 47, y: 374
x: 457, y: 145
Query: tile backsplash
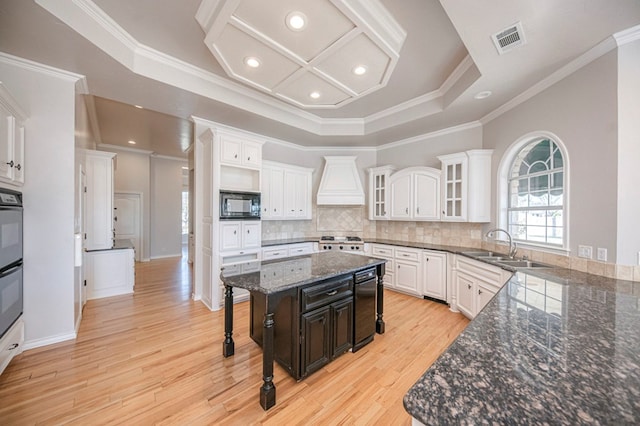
x: 353, y: 221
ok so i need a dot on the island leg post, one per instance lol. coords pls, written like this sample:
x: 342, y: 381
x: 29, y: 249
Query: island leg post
x: 268, y: 389
x: 380, y: 300
x: 228, y: 347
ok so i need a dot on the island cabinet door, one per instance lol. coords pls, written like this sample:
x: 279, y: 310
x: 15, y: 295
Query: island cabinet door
x: 342, y: 315
x: 315, y: 348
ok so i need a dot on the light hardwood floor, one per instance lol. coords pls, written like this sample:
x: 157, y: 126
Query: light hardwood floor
x: 156, y: 358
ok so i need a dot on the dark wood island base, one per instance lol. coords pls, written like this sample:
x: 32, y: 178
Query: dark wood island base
x: 269, y: 296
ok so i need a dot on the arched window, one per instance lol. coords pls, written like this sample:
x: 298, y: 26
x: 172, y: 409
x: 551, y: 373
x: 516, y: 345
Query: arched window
x: 536, y: 193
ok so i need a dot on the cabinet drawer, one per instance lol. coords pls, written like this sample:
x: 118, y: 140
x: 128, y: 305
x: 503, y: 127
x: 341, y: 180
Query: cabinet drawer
x: 274, y: 253
x: 11, y: 344
x: 300, y: 249
x: 386, y: 252
x: 406, y: 254
x: 325, y: 293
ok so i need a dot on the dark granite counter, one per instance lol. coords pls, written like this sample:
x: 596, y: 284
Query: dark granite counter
x: 553, y: 347
x: 282, y: 274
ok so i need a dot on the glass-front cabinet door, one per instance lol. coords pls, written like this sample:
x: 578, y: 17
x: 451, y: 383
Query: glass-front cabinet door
x: 454, y: 190
x: 379, y: 192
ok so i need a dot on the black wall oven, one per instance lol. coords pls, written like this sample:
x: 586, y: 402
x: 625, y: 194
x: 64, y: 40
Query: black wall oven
x: 11, y: 285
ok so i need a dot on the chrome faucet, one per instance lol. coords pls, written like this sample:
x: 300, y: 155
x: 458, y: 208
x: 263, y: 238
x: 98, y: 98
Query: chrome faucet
x: 513, y: 248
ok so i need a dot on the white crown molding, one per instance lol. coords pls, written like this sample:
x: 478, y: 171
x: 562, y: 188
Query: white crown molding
x: 125, y: 148
x: 169, y: 157
x: 431, y: 135
x: 627, y: 36
x: 606, y: 46
x: 41, y: 68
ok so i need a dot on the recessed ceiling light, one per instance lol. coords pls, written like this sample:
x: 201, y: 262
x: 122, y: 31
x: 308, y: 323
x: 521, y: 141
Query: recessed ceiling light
x: 360, y: 70
x: 132, y: 142
x: 252, y: 62
x: 314, y: 95
x: 138, y: 106
x: 296, y: 21
x: 482, y: 95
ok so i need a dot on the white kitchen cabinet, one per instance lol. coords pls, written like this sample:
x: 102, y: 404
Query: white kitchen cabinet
x: 109, y: 272
x: 287, y: 250
x: 99, y: 226
x: 475, y: 284
x: 286, y: 192
x: 12, y: 133
x: 240, y: 234
x: 408, y: 270
x: 434, y: 266
x: 379, y: 192
x: 236, y: 150
x: 403, y: 271
x: 11, y: 343
x: 466, y: 186
x: 385, y: 252
x: 415, y: 194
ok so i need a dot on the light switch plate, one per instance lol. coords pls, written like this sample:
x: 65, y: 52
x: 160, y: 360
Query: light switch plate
x: 585, y: 252
x: 602, y: 254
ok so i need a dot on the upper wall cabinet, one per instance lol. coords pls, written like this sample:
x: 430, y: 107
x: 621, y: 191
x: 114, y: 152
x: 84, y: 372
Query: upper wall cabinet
x: 12, y: 131
x: 415, y: 194
x: 286, y: 192
x: 240, y: 161
x: 466, y: 186
x: 379, y: 192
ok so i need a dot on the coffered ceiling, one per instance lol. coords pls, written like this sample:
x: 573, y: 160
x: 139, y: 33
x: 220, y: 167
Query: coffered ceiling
x: 425, y: 61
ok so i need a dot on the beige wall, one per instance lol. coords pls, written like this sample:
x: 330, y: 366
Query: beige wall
x: 166, y: 207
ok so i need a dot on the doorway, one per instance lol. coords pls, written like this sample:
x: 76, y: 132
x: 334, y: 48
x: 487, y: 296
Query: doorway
x: 128, y: 219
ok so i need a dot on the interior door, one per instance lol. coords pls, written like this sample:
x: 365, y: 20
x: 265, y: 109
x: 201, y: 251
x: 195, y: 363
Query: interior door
x: 127, y: 219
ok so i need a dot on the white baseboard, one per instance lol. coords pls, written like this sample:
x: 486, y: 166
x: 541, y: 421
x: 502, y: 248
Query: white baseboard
x: 165, y: 256
x: 32, y: 344
x: 109, y: 292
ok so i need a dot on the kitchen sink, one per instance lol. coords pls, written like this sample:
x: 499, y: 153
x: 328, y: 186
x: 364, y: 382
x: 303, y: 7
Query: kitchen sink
x: 522, y: 264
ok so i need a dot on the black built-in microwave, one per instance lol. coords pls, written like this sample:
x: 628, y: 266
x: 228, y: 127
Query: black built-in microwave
x: 239, y: 205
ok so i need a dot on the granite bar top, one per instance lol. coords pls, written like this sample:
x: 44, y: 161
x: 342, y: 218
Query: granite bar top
x: 553, y: 347
x: 283, y: 274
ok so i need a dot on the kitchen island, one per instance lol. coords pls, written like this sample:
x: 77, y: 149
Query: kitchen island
x: 554, y: 346
x: 315, y: 287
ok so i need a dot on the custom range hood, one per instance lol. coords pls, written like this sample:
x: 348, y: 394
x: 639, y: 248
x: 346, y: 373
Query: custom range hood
x: 340, y: 184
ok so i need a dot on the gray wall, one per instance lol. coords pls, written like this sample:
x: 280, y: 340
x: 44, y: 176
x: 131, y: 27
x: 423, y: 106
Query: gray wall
x: 424, y: 152
x: 582, y: 111
x: 629, y: 154
x: 166, y: 203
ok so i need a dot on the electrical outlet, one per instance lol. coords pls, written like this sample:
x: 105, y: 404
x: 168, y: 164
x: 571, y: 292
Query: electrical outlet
x: 585, y: 251
x: 602, y: 254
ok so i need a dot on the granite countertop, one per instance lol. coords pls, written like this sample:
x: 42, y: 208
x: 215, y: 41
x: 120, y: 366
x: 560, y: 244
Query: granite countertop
x: 553, y: 346
x: 283, y: 274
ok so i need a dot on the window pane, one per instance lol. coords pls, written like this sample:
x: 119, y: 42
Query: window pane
x: 536, y: 217
x: 518, y: 218
x: 558, y: 162
x: 536, y: 234
x: 518, y: 232
x: 539, y: 199
x: 554, y: 218
x: 539, y: 183
x: 538, y: 167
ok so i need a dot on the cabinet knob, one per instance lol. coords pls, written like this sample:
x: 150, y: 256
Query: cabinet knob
x: 235, y: 155
x: 10, y: 163
x: 469, y: 286
x: 248, y: 231
x: 479, y: 291
x: 234, y: 232
x: 248, y: 158
x: 427, y: 259
x: 18, y: 167
x: 12, y: 347
x: 406, y: 210
x: 443, y: 212
x: 418, y: 210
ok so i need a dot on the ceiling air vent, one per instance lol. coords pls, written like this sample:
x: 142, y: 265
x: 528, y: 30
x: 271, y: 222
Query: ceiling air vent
x: 509, y: 38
